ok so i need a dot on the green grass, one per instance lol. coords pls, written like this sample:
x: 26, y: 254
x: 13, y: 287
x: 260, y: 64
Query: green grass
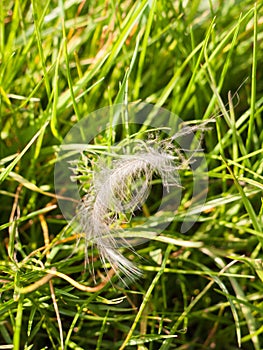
x: 60, y: 61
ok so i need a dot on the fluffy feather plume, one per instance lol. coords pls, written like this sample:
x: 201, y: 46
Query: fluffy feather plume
x: 121, y: 188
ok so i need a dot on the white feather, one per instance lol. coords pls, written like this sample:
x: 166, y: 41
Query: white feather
x: 122, y: 188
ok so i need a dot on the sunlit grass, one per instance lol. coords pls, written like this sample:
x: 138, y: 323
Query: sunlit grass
x: 60, y: 61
